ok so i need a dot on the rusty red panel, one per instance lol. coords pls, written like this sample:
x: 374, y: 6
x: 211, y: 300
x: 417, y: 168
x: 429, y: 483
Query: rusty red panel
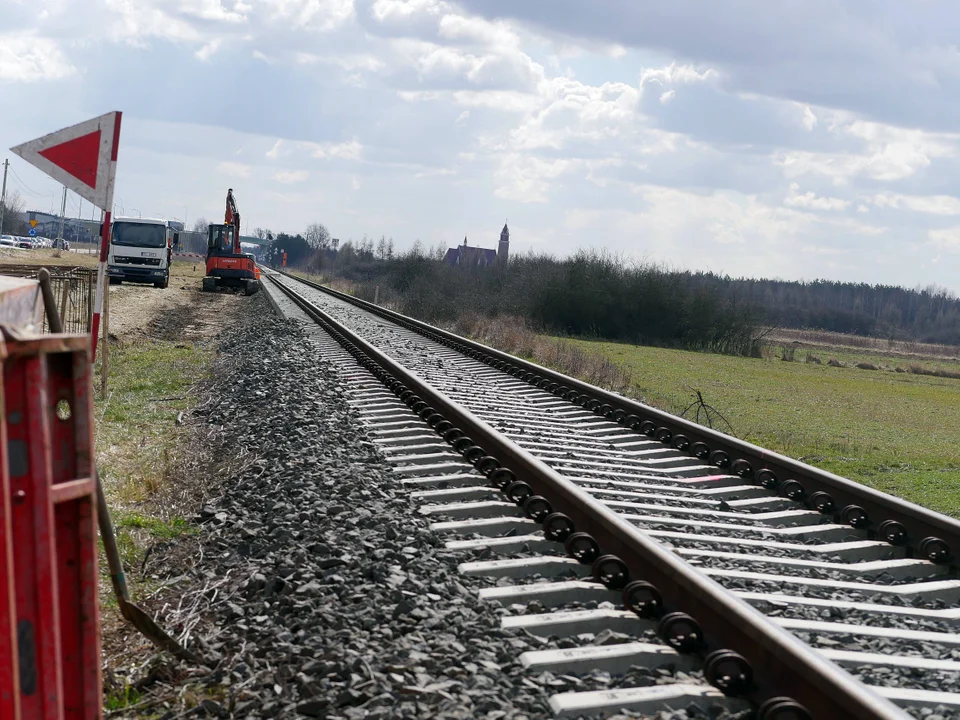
x: 38, y: 624
x: 69, y: 414
x: 50, y: 644
x: 9, y: 672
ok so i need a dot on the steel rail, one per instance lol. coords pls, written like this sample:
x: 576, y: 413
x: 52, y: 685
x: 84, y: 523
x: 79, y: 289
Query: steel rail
x: 779, y: 663
x: 922, y: 532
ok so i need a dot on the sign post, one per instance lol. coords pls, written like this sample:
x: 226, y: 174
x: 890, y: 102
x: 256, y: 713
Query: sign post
x: 84, y: 158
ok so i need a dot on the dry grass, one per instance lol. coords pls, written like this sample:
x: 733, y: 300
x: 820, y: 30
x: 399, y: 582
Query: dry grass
x: 934, y: 372
x: 514, y: 335
x: 902, y: 348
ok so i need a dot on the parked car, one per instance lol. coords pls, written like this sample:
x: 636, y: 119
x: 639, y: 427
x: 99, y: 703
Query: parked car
x: 25, y: 243
x: 7, y: 241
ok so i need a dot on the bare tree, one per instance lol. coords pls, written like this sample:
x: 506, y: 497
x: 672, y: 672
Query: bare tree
x: 382, y: 248
x: 317, y: 236
x: 259, y: 233
x: 200, y: 225
x: 14, y: 219
x: 390, y: 249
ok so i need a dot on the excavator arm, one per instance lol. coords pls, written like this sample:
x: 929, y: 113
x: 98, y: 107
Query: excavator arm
x: 232, y: 217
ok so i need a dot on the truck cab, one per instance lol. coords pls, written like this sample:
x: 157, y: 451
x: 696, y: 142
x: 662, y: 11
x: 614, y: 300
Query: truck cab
x: 141, y: 250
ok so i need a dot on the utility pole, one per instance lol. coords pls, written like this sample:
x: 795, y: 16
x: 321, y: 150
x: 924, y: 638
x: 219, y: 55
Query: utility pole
x: 3, y: 195
x: 63, y: 209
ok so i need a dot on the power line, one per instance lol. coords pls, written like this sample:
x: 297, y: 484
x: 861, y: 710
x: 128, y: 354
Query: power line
x: 27, y: 187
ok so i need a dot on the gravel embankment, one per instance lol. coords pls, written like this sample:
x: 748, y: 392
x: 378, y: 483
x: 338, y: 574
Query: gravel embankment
x: 312, y: 587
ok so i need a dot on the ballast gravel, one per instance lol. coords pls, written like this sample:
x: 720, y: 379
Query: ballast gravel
x: 312, y: 588
x: 449, y: 374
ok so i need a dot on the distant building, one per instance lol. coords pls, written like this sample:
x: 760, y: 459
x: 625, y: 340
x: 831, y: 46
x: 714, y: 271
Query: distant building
x: 468, y: 256
x: 74, y: 229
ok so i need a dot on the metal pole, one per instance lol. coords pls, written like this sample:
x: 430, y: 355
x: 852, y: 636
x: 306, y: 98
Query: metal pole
x: 105, y: 358
x: 63, y: 209
x: 3, y: 195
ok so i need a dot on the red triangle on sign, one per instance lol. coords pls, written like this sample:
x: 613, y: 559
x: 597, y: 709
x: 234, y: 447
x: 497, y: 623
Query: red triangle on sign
x: 83, y: 157
x: 78, y: 157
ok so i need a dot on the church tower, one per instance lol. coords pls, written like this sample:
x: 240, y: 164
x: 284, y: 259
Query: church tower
x: 503, y: 249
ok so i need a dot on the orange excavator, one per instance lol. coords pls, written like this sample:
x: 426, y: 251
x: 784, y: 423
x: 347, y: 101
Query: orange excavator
x: 227, y: 265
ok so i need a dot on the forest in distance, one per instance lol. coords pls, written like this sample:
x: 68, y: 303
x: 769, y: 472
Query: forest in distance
x: 594, y: 293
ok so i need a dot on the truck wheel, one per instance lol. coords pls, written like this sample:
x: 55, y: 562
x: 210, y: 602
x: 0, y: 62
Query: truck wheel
x: 209, y: 284
x: 162, y: 285
x: 250, y: 287
x: 116, y: 281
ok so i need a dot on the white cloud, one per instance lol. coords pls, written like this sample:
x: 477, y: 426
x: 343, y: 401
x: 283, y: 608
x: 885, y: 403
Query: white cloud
x: 274, y: 152
x: 667, y: 96
x: 499, y: 68
x: 526, y: 179
x: 132, y: 23
x: 345, y: 151
x: 945, y: 239
x: 289, y: 177
x: 809, y: 120
x: 476, y: 30
x: 207, y: 51
x: 28, y: 58
x: 810, y: 201
x: 350, y: 150
x: 394, y: 10
x: 674, y: 74
x: 232, y: 169
x: 571, y: 110
x: 214, y: 10
x: 889, y: 153
x: 931, y: 204
x: 317, y: 15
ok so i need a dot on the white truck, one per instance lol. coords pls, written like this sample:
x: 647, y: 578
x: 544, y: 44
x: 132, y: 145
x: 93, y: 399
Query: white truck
x: 141, y: 250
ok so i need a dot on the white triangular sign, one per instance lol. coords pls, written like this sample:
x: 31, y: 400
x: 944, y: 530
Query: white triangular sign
x: 83, y: 157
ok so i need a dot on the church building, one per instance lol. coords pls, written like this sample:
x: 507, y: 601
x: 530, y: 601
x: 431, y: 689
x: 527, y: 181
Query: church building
x: 470, y: 256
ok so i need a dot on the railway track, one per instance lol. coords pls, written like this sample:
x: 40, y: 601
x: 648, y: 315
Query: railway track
x: 628, y: 538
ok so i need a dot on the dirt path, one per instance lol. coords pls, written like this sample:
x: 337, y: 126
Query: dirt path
x: 179, y: 312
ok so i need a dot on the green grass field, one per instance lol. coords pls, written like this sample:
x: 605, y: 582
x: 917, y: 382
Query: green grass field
x: 896, y: 432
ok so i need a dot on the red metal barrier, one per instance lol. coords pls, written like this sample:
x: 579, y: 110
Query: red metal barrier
x: 49, y: 616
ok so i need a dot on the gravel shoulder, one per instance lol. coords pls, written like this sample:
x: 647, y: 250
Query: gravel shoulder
x: 311, y: 587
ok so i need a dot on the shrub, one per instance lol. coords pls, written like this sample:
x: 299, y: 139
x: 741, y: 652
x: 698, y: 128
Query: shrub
x: 787, y: 353
x: 935, y: 372
x: 592, y: 294
x: 866, y: 366
x: 833, y: 362
x: 814, y: 359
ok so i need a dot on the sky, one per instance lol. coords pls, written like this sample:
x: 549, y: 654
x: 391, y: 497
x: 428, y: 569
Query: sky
x: 797, y: 139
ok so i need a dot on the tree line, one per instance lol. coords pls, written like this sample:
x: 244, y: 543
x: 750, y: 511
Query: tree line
x: 592, y: 294
x: 930, y: 314
x: 595, y: 293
